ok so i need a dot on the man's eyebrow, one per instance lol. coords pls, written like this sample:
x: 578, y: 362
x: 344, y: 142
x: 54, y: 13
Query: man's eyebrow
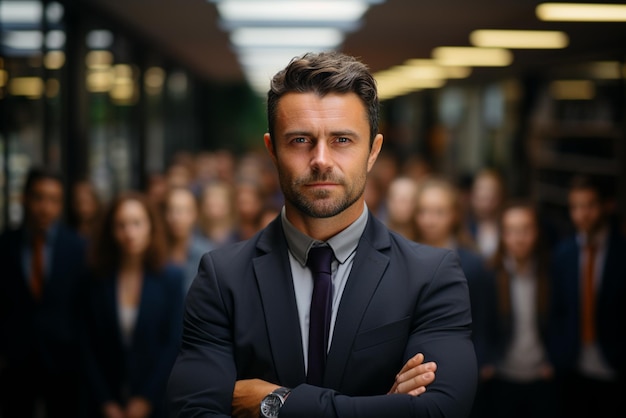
x: 345, y: 132
x: 342, y: 132
x: 297, y: 133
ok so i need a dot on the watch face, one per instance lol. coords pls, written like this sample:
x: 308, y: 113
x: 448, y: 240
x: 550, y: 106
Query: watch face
x: 270, y: 406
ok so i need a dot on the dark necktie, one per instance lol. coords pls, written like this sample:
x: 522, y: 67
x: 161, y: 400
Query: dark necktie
x: 37, y: 266
x: 588, y: 296
x: 319, y: 261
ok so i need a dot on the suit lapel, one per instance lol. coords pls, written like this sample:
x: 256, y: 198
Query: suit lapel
x: 367, y: 271
x: 273, y: 275
x: 146, y: 306
x: 110, y: 302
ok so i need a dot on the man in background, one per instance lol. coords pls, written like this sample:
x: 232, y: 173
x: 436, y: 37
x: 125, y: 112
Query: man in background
x: 588, y: 310
x: 42, y: 262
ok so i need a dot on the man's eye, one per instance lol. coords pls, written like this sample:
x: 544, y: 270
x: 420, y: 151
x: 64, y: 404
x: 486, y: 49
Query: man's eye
x: 300, y: 140
x: 343, y: 139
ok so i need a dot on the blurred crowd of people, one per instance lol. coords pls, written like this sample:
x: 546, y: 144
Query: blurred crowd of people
x: 92, y: 294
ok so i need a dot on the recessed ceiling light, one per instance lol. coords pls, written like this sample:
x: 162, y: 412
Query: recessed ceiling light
x: 529, y: 39
x: 293, y: 11
x: 582, y: 12
x: 287, y: 37
x: 472, y: 56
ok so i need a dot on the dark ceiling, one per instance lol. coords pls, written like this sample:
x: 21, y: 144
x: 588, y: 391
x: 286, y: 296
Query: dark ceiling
x: 392, y: 32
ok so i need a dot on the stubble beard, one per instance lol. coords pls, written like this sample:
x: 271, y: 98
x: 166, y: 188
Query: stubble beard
x: 321, y: 204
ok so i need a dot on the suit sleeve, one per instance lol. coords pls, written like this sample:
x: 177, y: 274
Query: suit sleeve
x: 441, y: 330
x: 204, y: 375
x: 202, y: 379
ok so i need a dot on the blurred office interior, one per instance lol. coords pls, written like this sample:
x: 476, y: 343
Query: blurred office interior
x: 111, y: 89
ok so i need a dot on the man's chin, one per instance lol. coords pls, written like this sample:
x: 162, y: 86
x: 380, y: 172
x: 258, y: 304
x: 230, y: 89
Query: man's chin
x: 320, y: 210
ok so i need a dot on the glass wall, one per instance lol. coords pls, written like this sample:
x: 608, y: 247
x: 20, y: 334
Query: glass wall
x: 32, y: 58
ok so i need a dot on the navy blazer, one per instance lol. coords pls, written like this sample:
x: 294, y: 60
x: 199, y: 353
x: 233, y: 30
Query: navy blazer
x: 564, y: 335
x: 47, y: 330
x: 401, y: 298
x: 146, y: 364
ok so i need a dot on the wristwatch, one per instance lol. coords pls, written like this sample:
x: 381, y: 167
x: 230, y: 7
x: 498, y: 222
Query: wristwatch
x: 271, y: 404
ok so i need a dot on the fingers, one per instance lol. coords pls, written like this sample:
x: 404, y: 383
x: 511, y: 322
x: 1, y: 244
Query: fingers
x: 415, y: 380
x: 416, y: 385
x: 419, y: 370
x: 414, y: 361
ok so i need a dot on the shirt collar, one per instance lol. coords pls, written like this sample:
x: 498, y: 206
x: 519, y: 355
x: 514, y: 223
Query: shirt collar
x: 50, y: 234
x: 343, y: 244
x: 599, y: 239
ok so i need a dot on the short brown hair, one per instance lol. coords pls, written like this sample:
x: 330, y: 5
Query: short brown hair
x: 105, y: 257
x: 580, y: 182
x: 324, y: 73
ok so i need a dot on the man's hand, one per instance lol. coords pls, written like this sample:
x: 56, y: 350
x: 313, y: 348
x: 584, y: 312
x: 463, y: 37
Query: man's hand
x: 112, y: 410
x: 138, y: 408
x: 414, y: 376
x: 248, y: 395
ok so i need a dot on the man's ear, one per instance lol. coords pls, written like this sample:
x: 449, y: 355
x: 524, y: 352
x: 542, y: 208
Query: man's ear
x: 374, y: 151
x: 269, y: 145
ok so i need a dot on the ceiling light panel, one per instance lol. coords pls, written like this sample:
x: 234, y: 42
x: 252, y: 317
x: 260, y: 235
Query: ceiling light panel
x: 472, y: 56
x: 449, y: 71
x: 527, y: 39
x: 286, y: 37
x: 290, y: 10
x: 582, y: 12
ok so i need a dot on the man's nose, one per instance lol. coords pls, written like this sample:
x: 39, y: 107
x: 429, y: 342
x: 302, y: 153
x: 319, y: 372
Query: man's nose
x: 321, y: 155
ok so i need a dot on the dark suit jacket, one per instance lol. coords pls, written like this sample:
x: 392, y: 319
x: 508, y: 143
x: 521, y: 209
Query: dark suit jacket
x: 47, y: 331
x: 401, y: 298
x: 146, y: 364
x: 610, y: 306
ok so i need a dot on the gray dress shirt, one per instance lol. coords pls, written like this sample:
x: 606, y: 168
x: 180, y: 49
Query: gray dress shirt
x: 344, y: 246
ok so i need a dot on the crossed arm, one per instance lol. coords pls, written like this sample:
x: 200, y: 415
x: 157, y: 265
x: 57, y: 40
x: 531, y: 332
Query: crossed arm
x: 412, y: 380
x: 203, y: 381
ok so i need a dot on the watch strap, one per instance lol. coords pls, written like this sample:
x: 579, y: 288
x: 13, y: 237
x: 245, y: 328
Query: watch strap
x: 282, y: 392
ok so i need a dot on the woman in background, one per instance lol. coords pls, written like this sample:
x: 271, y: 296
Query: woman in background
x: 401, y: 206
x: 250, y: 208
x: 186, y: 244
x: 133, y: 313
x: 217, y: 213
x: 439, y: 223
x: 487, y: 195
x: 522, y: 385
x: 85, y: 209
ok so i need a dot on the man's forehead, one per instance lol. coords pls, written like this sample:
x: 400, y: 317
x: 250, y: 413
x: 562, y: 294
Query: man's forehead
x: 313, y: 102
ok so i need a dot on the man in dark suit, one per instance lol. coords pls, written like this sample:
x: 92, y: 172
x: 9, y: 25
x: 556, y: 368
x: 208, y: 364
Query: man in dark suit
x: 588, y: 310
x: 250, y: 341
x: 41, y: 263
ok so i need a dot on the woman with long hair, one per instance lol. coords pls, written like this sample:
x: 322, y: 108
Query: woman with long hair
x: 439, y: 223
x: 85, y: 208
x: 132, y: 312
x: 186, y: 244
x: 522, y: 384
x: 217, y: 217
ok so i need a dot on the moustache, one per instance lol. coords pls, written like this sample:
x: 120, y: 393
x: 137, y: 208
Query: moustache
x: 319, y: 178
